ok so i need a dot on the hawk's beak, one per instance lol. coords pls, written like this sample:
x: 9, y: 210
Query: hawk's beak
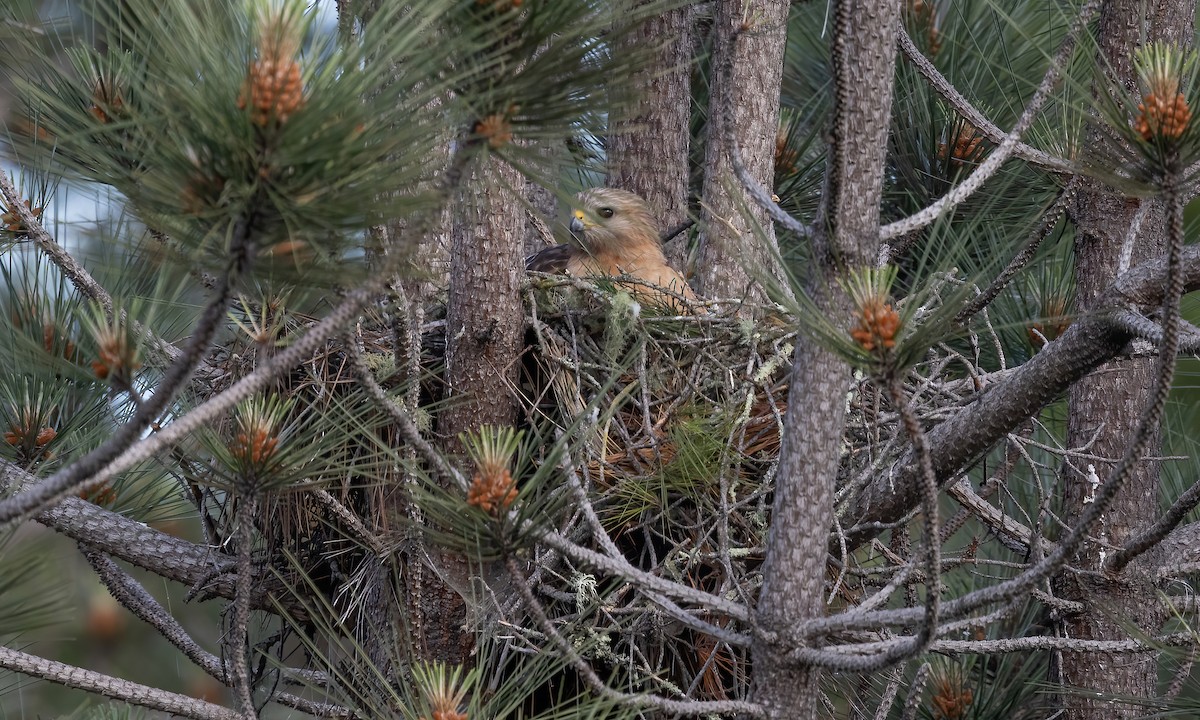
x: 578, y: 223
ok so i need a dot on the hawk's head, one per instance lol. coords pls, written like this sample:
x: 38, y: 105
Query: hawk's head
x: 607, y: 220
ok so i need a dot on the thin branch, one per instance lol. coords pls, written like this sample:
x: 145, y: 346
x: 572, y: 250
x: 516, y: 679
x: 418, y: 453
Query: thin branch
x: 1151, y: 536
x: 1135, y: 226
x: 637, y: 700
x: 621, y: 568
x: 1182, y: 674
x: 1057, y: 604
x: 599, y: 534
x: 673, y: 232
x: 972, y: 115
x: 408, y: 427
x: 1049, y: 219
x: 31, y: 225
x: 133, y: 597
x: 71, y: 478
x: 238, y: 639
x: 76, y: 273
x: 1037, y: 643
x: 685, y: 618
x: 1042, y: 643
x: 762, y: 196
x: 1007, y: 145
x: 112, y: 687
x: 1012, y: 534
x: 955, y: 523
x: 1140, y: 326
x: 884, y: 593
x: 913, y: 700
x: 889, y: 693
x: 373, y: 542
x: 929, y: 510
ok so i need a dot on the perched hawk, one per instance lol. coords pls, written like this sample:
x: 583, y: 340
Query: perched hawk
x: 615, y: 235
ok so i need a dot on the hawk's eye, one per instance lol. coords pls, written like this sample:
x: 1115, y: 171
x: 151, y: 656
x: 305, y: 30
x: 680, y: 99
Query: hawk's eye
x: 605, y: 212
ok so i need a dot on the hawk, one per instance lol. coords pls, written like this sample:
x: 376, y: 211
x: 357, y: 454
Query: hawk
x: 615, y: 235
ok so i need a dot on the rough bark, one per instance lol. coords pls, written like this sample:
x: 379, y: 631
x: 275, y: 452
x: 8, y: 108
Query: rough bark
x: 483, y: 331
x: 1104, y: 407
x: 483, y: 323
x: 731, y: 251
x: 543, y: 209
x: 648, y: 148
x: 794, y: 570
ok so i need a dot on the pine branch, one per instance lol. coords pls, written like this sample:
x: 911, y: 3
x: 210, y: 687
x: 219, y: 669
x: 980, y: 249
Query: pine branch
x: 1014, y: 397
x: 1004, y: 646
x: 71, y: 478
x: 75, y: 272
x: 1042, y: 643
x: 600, y: 535
x: 31, y: 225
x: 1171, y: 325
x: 889, y: 693
x: 762, y: 196
x: 1140, y: 326
x: 1049, y: 219
x: 197, y: 566
x: 408, y: 427
x: 929, y: 510
x: 238, y: 637
x: 203, y: 415
x: 972, y: 114
x: 621, y: 568
x: 112, y: 687
x: 133, y: 597
x: 1008, y: 143
x: 915, y: 690
x: 1012, y: 534
x: 1180, y: 266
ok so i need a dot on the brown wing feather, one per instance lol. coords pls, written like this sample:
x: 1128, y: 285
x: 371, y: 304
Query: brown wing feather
x: 551, y: 260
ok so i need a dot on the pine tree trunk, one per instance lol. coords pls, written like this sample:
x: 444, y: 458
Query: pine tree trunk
x: 483, y: 340
x: 648, y: 148
x: 483, y: 320
x: 1104, y: 407
x: 730, y: 249
x: 794, y: 571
